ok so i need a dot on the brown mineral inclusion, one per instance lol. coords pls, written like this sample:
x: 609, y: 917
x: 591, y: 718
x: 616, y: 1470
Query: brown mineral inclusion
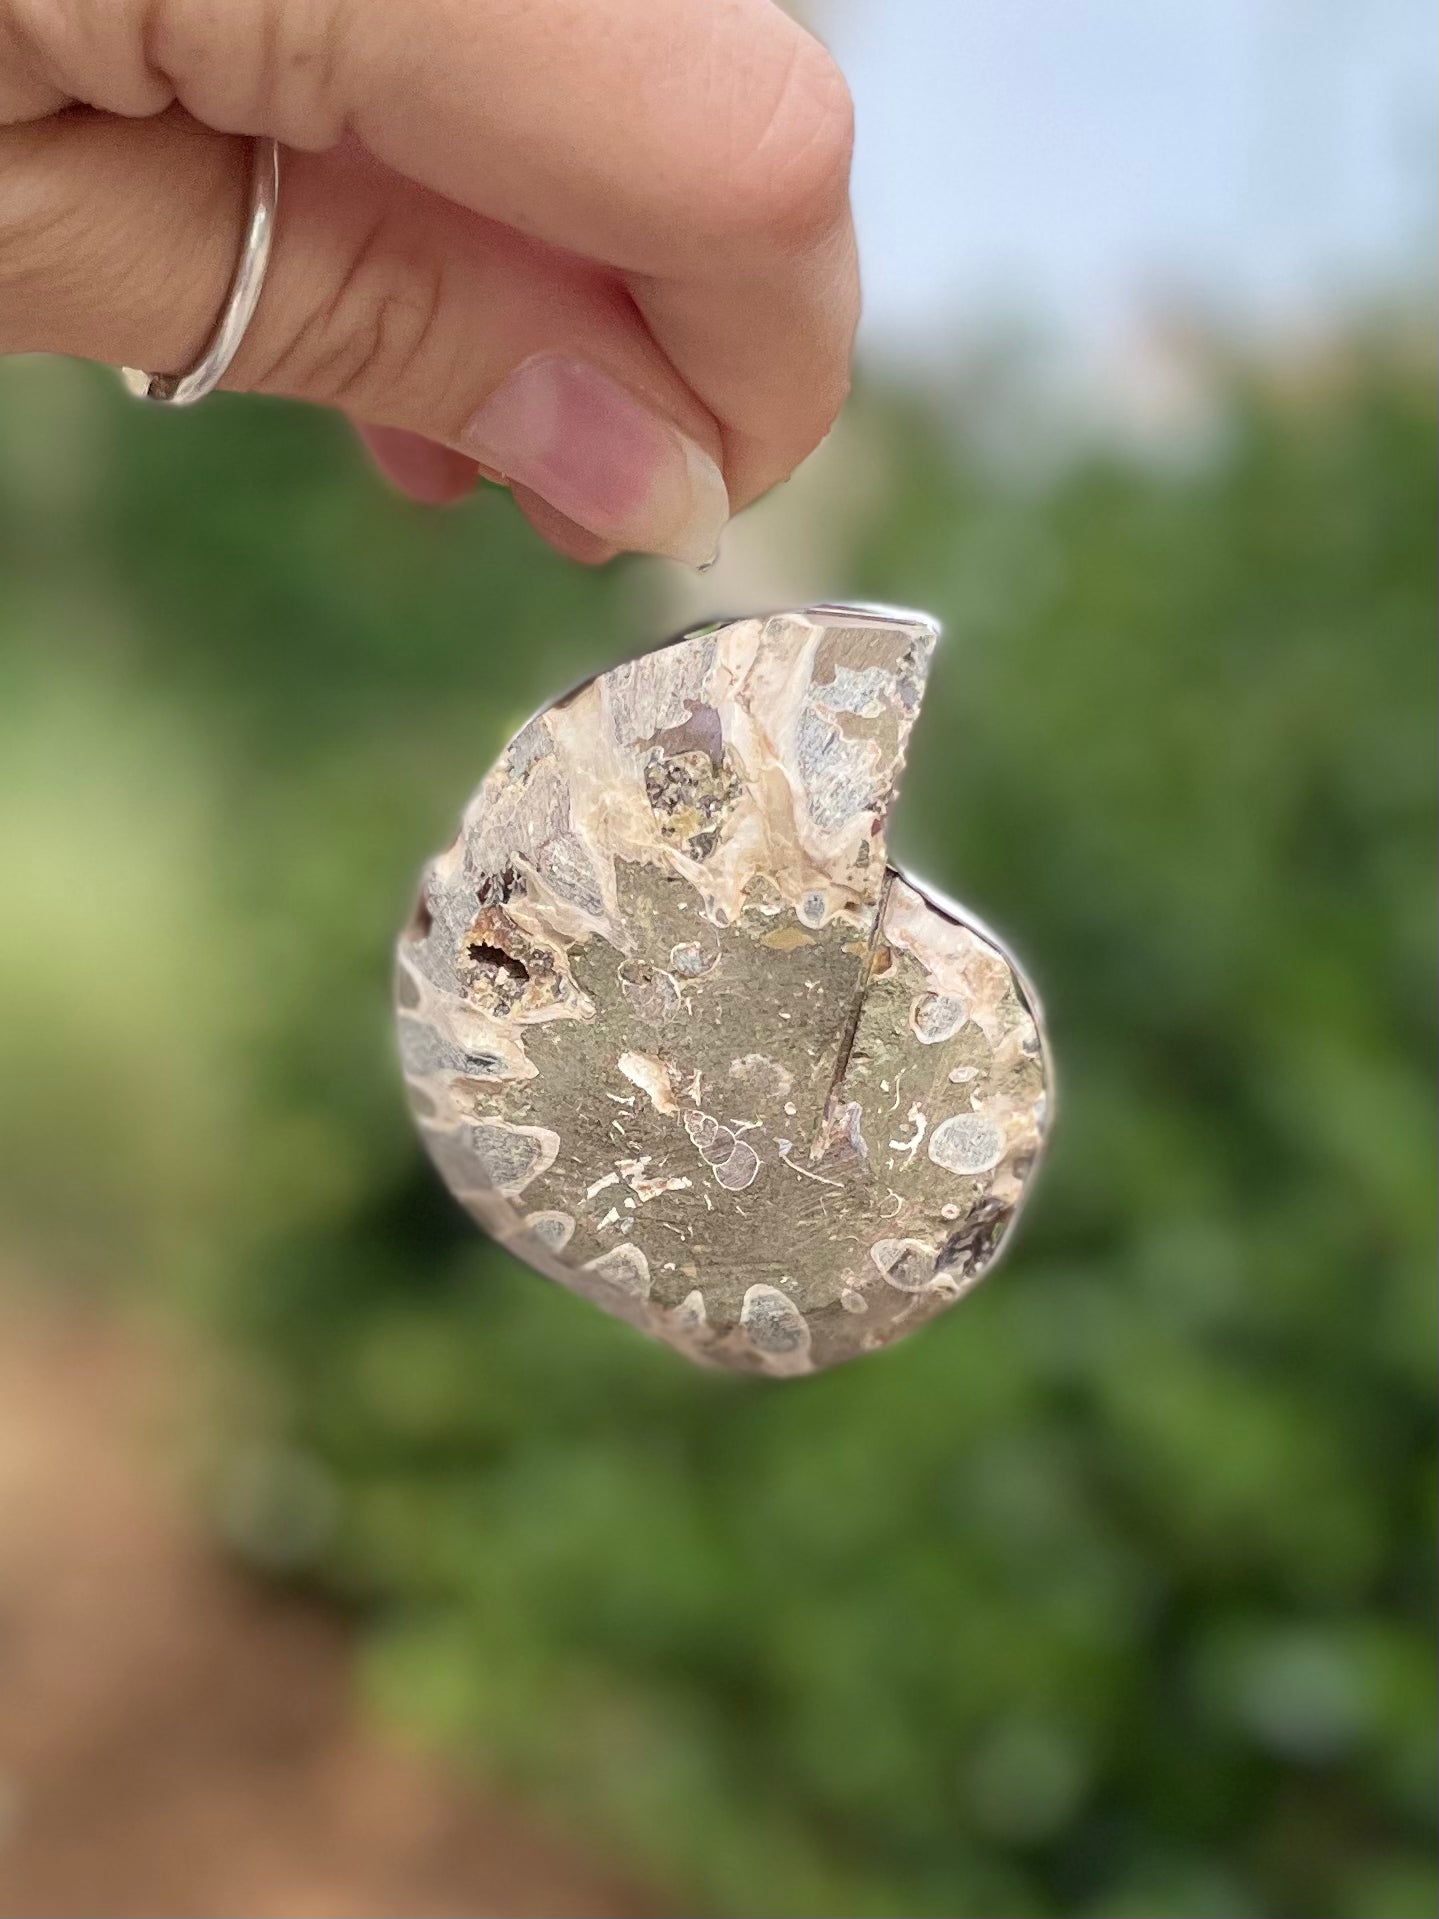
x: 680, y: 1038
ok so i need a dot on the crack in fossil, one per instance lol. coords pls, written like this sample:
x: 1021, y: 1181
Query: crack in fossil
x: 846, y: 1045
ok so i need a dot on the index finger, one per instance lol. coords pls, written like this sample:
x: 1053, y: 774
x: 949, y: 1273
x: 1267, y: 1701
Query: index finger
x: 698, y: 147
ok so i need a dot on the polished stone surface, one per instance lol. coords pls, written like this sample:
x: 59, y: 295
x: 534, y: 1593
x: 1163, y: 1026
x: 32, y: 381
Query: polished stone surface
x: 680, y: 1038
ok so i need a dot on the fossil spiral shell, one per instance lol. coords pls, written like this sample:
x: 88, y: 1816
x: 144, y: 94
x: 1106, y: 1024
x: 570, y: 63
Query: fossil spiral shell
x: 678, y: 1035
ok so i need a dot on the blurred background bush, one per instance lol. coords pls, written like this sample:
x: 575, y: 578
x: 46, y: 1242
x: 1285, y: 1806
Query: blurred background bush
x: 1112, y: 1595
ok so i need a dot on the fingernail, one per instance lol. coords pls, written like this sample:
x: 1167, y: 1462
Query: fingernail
x: 584, y: 443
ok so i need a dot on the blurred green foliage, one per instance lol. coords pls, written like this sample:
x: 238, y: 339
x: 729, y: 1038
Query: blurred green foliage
x: 1109, y: 1596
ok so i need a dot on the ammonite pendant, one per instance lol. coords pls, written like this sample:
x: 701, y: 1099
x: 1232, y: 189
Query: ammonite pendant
x: 680, y: 1037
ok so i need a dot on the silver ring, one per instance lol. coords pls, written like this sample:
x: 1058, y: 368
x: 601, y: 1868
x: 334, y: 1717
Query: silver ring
x: 183, y: 389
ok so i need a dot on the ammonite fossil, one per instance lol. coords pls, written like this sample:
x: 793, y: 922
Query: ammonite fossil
x: 680, y: 1037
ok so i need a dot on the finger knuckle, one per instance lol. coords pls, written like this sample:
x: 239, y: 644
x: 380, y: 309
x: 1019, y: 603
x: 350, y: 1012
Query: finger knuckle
x: 272, y: 64
x: 789, y: 179
x: 366, y: 342
x: 94, y: 54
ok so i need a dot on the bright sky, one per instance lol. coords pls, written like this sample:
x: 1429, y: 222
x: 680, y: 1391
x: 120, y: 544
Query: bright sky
x: 1079, y: 160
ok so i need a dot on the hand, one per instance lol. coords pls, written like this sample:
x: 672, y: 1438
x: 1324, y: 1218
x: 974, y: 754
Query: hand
x: 598, y: 248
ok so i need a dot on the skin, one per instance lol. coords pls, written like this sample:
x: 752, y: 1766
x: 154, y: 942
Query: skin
x: 601, y: 248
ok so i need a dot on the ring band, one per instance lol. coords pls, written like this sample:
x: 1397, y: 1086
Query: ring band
x: 183, y: 389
